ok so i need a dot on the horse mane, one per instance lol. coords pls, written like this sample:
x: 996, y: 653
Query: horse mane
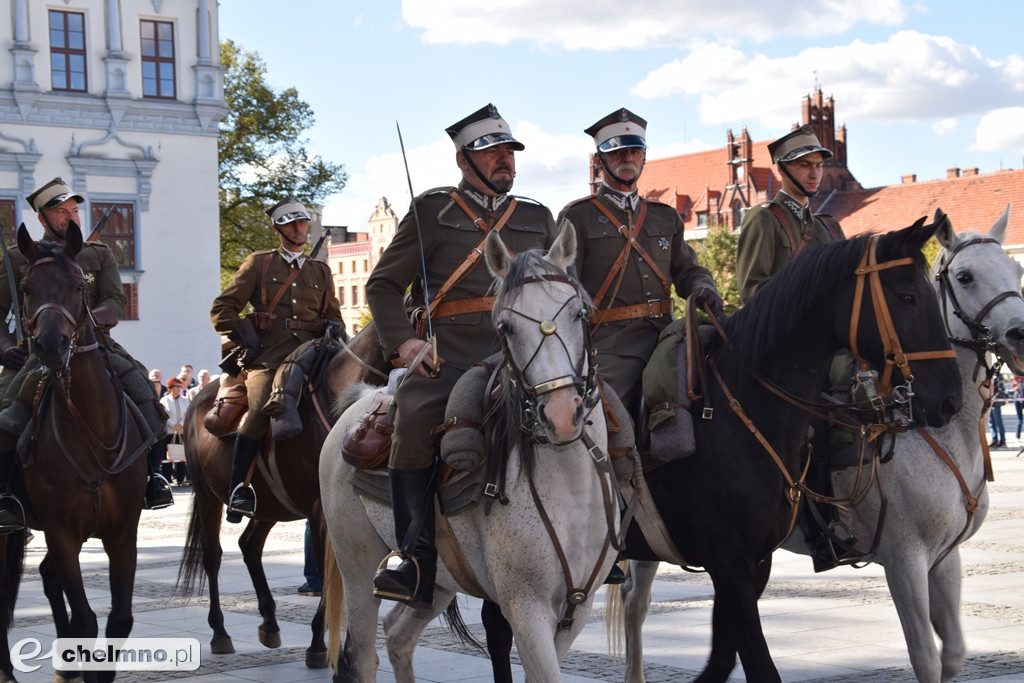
x: 788, y: 303
x: 45, y: 248
x: 505, y: 416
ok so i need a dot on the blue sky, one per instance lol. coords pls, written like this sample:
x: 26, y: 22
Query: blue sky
x: 921, y: 86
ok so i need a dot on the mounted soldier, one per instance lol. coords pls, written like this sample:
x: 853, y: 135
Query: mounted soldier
x: 772, y: 235
x: 56, y: 207
x: 293, y: 302
x: 437, y: 250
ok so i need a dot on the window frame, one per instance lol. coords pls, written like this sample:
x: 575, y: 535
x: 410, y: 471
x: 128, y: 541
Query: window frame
x: 158, y: 60
x: 66, y: 53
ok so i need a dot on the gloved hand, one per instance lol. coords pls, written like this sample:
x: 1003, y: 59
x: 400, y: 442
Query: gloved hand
x: 706, y: 296
x: 14, y: 357
x: 336, y: 330
x: 245, y: 336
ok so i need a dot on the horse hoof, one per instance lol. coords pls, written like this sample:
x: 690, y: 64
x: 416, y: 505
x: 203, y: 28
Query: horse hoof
x: 268, y: 639
x: 222, y: 646
x: 316, y: 660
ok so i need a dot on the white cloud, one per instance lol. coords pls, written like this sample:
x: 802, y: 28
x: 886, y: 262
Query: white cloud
x: 945, y: 126
x: 552, y: 170
x: 1001, y: 129
x: 609, y: 25
x: 911, y: 76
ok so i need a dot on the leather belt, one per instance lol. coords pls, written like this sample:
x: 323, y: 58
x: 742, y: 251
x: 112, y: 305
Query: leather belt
x: 480, y: 304
x: 315, y: 326
x: 652, y: 308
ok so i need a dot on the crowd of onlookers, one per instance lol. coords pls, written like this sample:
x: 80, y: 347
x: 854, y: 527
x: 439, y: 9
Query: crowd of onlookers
x: 1000, y: 395
x: 175, y: 396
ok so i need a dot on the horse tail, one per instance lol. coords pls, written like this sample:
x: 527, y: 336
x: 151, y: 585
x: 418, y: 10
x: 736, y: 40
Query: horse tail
x: 456, y: 625
x: 334, y: 603
x: 613, y: 618
x: 13, y: 548
x: 192, y: 555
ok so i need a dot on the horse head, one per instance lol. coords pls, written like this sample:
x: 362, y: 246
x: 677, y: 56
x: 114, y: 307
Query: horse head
x: 902, y: 333
x: 979, y: 290
x: 542, y: 315
x: 54, y: 297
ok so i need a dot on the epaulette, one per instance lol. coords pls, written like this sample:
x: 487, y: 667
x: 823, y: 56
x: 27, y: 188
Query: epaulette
x: 436, y: 190
x: 518, y: 198
x: 578, y: 201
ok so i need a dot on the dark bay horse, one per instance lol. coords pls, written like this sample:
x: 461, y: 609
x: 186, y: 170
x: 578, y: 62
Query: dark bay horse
x: 287, y: 488
x: 85, y: 473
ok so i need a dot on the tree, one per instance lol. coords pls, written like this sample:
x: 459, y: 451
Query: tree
x: 717, y: 253
x: 262, y: 157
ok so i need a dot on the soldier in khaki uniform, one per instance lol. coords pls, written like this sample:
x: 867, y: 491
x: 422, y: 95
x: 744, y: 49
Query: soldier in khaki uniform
x: 56, y: 206
x: 630, y: 252
x: 293, y: 301
x: 774, y: 232
x: 454, y: 222
x: 771, y: 236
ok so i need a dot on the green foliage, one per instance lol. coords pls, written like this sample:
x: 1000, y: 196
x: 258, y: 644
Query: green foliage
x: 262, y: 157
x: 717, y: 253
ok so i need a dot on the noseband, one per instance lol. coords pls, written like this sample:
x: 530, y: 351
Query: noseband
x: 77, y: 323
x: 868, y: 271
x: 531, y: 393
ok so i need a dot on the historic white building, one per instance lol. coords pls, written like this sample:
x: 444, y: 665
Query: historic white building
x: 122, y: 98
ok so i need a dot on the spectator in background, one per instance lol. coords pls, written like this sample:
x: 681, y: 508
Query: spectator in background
x: 995, y: 414
x: 185, y: 375
x: 313, y: 585
x: 176, y: 405
x: 157, y: 378
x: 1017, y: 385
x: 203, y: 379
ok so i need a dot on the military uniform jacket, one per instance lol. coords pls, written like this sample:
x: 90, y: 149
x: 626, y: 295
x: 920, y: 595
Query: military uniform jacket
x: 101, y: 275
x: 765, y: 246
x: 599, y: 244
x: 449, y: 235
x: 308, y: 294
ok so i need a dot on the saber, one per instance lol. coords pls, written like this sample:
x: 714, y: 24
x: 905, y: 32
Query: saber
x: 15, y: 308
x: 423, y: 258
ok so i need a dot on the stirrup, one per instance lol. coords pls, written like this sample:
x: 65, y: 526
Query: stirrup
x: 389, y: 595
x: 11, y: 528
x: 154, y: 482
x: 237, y: 511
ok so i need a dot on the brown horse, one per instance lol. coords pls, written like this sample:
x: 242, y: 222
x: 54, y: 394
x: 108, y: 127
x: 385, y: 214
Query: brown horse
x: 286, y: 481
x: 85, y: 472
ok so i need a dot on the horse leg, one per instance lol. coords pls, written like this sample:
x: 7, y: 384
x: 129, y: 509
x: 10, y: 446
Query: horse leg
x: 736, y: 622
x: 64, y: 550
x: 123, y: 558
x: 907, y: 577
x: 55, y: 596
x: 944, y: 582
x: 403, y: 627
x: 208, y: 512
x: 536, y: 632
x: 12, y: 555
x: 251, y: 543
x: 499, y: 641
x: 316, y: 653
x: 636, y: 600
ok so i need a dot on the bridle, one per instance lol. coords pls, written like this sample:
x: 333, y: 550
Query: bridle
x: 77, y: 322
x: 583, y: 377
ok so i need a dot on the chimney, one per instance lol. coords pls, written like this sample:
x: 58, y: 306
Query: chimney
x: 909, y: 178
x: 953, y: 172
x: 970, y: 172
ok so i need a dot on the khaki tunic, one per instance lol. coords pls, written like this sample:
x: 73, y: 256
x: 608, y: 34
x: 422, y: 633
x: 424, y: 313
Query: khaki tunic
x: 624, y: 346
x: 764, y: 245
x: 448, y: 235
x: 310, y: 292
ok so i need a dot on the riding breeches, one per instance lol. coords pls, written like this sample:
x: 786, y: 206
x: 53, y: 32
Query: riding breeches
x: 419, y: 408
x: 258, y: 384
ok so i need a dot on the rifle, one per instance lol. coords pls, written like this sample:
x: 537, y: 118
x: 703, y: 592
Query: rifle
x: 100, y: 223
x: 15, y: 307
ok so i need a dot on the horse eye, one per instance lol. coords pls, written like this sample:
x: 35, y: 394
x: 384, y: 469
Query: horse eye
x: 504, y: 329
x: 907, y: 299
x: 583, y: 314
x: 965, y: 278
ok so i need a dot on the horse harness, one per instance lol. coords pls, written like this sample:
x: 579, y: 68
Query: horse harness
x: 653, y: 308
x: 122, y: 460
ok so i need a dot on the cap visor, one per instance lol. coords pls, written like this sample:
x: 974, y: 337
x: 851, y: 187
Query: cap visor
x: 621, y: 142
x: 804, y: 151
x: 494, y: 139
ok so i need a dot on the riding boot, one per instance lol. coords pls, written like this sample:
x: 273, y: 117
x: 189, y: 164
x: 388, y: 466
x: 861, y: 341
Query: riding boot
x: 412, y: 501
x: 158, y: 490
x: 616, y: 576
x: 12, y: 515
x: 242, y: 497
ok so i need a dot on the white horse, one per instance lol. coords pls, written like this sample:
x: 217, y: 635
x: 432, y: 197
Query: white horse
x: 541, y: 565
x: 931, y: 506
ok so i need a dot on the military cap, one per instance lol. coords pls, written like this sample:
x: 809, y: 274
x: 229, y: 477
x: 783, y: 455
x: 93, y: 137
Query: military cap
x: 52, y: 194
x: 619, y: 130
x: 796, y: 144
x: 287, y: 210
x: 482, y: 129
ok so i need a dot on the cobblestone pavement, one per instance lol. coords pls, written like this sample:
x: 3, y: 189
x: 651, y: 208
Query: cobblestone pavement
x: 835, y: 627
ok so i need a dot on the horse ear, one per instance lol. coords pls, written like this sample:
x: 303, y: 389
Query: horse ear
x: 563, y: 250
x: 26, y: 244
x: 998, y: 230
x: 496, y: 254
x: 72, y: 239
x: 944, y: 233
